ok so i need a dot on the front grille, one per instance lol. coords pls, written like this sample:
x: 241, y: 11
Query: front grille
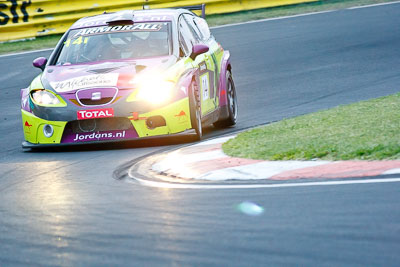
x: 96, y: 96
x: 90, y: 102
x: 103, y: 124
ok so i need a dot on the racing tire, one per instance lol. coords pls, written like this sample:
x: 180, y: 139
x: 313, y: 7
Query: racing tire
x: 195, y: 110
x: 231, y: 105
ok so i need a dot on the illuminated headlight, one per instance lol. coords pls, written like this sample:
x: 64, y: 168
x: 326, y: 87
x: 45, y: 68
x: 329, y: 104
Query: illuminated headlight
x: 43, y: 97
x: 155, y: 91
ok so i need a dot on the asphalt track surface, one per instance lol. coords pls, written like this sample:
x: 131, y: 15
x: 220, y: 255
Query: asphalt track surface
x: 64, y: 208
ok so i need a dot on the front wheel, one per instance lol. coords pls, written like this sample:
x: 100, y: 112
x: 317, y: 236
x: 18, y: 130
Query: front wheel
x: 195, y: 110
x: 232, y: 103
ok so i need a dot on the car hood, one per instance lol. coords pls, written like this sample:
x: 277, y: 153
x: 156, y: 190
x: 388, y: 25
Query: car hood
x: 67, y: 79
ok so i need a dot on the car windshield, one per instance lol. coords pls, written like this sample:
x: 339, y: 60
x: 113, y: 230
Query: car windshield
x: 140, y: 40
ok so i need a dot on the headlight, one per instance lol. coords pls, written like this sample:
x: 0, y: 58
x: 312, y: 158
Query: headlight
x: 155, y: 91
x: 43, y: 97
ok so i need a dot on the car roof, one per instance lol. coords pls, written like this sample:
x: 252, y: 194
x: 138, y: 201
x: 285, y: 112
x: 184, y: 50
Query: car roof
x: 165, y: 14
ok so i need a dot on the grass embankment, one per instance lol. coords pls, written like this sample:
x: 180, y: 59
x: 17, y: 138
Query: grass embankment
x: 264, y: 13
x: 213, y: 20
x: 38, y: 43
x: 368, y: 130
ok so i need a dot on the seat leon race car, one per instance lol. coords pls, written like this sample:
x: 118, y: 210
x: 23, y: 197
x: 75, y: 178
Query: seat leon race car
x: 129, y: 75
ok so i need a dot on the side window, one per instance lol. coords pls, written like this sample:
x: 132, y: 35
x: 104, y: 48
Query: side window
x: 186, y: 38
x: 193, y: 26
x: 182, y: 46
x: 203, y: 27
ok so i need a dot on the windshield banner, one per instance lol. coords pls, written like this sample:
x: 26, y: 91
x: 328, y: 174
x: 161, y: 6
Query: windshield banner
x: 124, y: 28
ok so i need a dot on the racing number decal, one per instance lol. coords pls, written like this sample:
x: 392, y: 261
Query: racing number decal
x: 78, y: 41
x: 205, y: 86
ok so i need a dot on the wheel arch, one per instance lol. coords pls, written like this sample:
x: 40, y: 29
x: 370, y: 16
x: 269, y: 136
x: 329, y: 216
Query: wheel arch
x: 223, y: 98
x: 225, y: 66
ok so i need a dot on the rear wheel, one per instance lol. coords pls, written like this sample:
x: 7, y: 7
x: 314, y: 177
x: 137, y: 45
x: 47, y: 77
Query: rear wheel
x: 231, y: 105
x: 195, y: 110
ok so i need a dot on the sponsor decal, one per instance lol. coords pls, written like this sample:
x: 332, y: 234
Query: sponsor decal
x: 135, y: 117
x: 27, y: 127
x: 182, y: 117
x: 124, y: 28
x: 89, y: 22
x: 98, y: 136
x: 96, y: 80
x: 95, y: 113
x: 205, y: 86
x: 152, y: 18
x: 15, y: 11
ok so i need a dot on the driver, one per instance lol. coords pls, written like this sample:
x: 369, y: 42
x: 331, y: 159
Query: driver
x: 100, y: 47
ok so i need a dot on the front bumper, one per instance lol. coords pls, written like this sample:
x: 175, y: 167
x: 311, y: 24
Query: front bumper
x: 27, y: 145
x: 176, y: 116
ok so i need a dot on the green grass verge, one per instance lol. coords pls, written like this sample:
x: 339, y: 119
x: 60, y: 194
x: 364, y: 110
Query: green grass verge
x: 368, y: 130
x: 213, y: 20
x: 323, y: 5
x: 38, y: 43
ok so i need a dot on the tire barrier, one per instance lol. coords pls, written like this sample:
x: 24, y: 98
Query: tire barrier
x: 22, y: 19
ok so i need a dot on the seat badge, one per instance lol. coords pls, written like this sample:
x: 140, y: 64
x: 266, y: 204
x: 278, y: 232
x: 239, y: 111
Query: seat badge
x: 96, y: 96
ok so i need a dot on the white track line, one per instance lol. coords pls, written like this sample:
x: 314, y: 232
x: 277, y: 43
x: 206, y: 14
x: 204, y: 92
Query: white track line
x: 392, y: 171
x: 303, y: 15
x: 251, y: 186
x: 26, y: 52
x: 247, y: 22
x: 374, y: 5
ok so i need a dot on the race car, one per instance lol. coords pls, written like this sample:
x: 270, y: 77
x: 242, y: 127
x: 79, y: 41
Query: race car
x: 128, y: 75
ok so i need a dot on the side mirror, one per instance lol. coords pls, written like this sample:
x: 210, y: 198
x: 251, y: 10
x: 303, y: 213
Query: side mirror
x: 40, y: 63
x: 199, y: 49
